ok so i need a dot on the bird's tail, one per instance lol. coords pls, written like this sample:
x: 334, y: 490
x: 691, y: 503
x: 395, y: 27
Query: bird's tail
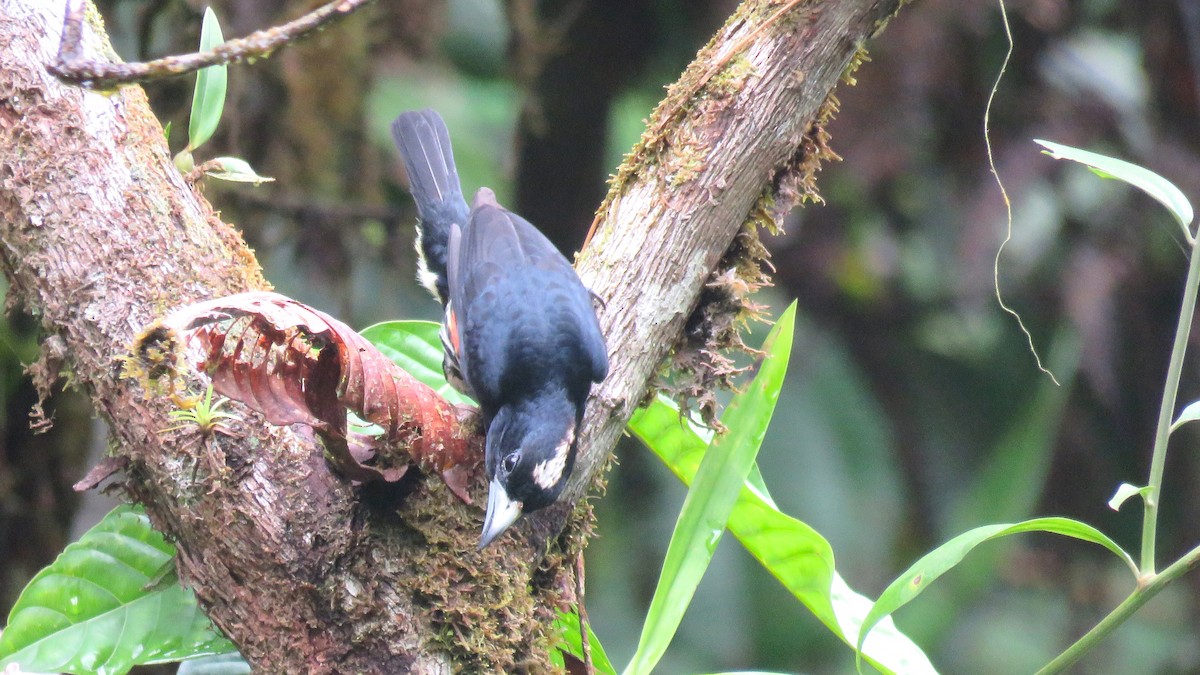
x: 424, y: 144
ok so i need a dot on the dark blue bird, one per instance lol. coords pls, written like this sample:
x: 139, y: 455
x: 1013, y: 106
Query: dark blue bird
x: 520, y: 333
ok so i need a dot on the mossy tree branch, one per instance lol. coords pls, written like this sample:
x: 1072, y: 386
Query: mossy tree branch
x: 99, y: 235
x: 737, y: 140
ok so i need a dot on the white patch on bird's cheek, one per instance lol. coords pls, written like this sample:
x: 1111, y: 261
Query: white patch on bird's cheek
x: 547, y: 473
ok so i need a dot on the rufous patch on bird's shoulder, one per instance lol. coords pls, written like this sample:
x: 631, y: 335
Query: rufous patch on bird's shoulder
x: 451, y: 326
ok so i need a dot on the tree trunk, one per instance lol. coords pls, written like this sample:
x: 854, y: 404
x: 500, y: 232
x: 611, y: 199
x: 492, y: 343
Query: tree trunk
x: 305, y: 572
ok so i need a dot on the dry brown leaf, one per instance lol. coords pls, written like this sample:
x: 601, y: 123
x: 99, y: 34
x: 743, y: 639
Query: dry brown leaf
x: 297, y: 365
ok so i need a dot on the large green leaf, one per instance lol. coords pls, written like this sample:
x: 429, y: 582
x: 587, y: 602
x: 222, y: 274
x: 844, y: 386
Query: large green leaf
x: 101, y: 606
x: 208, y: 100
x: 415, y: 347
x: 711, y: 498
x: 794, y: 553
x: 943, y: 558
x: 1144, y: 179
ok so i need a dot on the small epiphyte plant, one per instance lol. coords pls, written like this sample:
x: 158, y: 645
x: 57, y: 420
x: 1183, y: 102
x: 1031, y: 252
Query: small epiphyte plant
x: 208, y: 103
x: 203, y: 414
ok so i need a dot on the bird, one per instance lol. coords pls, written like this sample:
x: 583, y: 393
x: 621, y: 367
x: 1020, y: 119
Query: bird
x: 519, y: 333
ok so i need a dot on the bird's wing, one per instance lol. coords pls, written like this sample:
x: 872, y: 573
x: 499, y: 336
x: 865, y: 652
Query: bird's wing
x: 486, y: 303
x: 517, y: 296
x: 452, y: 325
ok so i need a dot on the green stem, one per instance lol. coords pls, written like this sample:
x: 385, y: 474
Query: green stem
x: 1150, y: 583
x: 1166, y: 412
x: 1140, y: 596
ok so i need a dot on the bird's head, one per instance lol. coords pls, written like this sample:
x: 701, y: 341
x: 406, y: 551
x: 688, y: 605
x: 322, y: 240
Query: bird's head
x: 529, y: 457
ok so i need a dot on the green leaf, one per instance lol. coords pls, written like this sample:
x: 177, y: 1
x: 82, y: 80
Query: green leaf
x: 794, y: 553
x: 208, y: 100
x: 942, y: 559
x: 702, y: 436
x: 1124, y: 492
x: 1190, y: 414
x: 235, y: 170
x: 1145, y: 180
x: 567, y: 625
x: 712, y: 496
x: 415, y: 347
x: 89, y: 611
x: 755, y: 482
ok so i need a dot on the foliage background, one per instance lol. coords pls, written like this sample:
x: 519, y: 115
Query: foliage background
x: 913, y: 411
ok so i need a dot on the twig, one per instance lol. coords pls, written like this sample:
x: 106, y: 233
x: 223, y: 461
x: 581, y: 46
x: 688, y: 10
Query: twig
x: 584, y: 643
x: 72, y: 67
x: 297, y: 206
x: 1008, y: 232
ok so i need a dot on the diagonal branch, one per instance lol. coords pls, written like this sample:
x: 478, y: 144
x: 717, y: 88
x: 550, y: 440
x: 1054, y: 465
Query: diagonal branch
x: 738, y: 138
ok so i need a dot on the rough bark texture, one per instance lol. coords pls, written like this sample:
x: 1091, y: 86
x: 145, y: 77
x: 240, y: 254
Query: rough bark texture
x: 307, y: 573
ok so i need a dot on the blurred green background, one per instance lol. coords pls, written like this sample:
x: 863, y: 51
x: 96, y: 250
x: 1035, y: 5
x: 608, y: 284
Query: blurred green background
x: 914, y: 409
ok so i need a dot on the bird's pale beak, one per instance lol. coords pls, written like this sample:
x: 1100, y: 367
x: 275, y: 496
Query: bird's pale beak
x: 501, y: 513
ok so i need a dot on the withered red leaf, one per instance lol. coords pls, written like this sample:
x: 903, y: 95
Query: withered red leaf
x: 297, y: 365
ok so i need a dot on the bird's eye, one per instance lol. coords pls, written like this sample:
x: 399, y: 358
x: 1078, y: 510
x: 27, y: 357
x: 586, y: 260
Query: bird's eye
x: 510, y: 461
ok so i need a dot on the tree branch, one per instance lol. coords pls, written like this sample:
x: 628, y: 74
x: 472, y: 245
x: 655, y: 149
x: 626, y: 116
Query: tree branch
x: 307, y: 573
x: 74, y: 67
x: 738, y: 132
